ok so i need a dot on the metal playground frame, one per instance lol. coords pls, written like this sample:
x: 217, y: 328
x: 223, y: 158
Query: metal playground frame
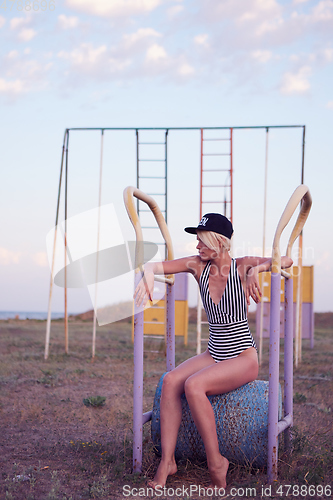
x: 225, y: 197
x: 275, y: 427
x: 301, y: 195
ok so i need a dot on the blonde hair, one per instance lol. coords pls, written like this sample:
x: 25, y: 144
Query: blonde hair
x: 214, y: 241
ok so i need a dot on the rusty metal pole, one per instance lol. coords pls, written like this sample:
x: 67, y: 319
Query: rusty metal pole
x: 288, y: 358
x: 65, y: 239
x: 263, y: 251
x: 98, y: 238
x: 48, y: 323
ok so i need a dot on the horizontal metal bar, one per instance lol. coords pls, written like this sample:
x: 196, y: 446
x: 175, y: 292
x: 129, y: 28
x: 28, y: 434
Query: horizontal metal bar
x: 146, y: 417
x: 219, y: 201
x: 222, y: 139
x: 286, y: 422
x: 148, y: 210
x: 156, y: 194
x: 163, y: 279
x: 185, y: 128
x: 151, y: 177
x: 216, y: 169
x: 216, y: 154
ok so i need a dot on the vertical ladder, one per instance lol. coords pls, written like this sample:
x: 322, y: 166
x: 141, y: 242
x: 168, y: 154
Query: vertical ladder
x: 216, y: 189
x: 152, y: 168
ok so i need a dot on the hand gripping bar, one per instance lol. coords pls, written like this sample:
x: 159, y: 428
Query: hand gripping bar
x: 129, y: 193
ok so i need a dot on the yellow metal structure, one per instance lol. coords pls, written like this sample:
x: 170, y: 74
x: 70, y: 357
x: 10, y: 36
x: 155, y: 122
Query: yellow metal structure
x: 306, y: 284
x: 154, y: 320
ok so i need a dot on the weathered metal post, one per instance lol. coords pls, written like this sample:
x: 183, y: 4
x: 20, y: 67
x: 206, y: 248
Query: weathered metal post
x: 288, y: 357
x: 137, y: 384
x: 138, y: 417
x: 170, y: 327
x: 275, y: 427
x: 274, y: 354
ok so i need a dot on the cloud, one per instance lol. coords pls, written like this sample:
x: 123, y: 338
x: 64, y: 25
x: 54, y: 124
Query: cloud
x: 18, y: 22
x: 202, y: 40
x: 175, y: 10
x: 26, y: 34
x: 67, y: 22
x: 261, y: 56
x: 323, y: 11
x: 12, y: 88
x: 92, y: 61
x: 8, y: 257
x: 20, y: 26
x: 114, y: 8
x: 2, y: 21
x: 21, y: 75
x: 141, y: 35
x: 186, y: 70
x: 156, y: 53
x: 296, y: 83
x: 40, y: 258
x: 330, y: 105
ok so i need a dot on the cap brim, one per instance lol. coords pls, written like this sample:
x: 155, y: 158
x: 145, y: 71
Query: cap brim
x: 191, y: 230
x: 194, y: 230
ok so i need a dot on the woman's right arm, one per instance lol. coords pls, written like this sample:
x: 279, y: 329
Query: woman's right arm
x: 144, y: 290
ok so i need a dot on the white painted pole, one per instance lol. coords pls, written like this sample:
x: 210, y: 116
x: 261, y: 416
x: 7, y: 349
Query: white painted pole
x: 98, y: 238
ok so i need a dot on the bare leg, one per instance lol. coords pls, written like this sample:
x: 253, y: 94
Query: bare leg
x: 219, y: 378
x: 171, y: 413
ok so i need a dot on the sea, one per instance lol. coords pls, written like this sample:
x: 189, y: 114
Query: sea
x: 28, y: 315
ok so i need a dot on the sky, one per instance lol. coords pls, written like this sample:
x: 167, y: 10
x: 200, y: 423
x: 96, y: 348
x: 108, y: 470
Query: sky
x: 161, y: 63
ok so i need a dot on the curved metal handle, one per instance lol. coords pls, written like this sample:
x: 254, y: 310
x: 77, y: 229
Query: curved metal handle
x: 129, y: 194
x: 301, y: 194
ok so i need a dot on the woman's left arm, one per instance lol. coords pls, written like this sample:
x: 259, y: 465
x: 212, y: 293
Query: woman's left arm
x: 249, y: 269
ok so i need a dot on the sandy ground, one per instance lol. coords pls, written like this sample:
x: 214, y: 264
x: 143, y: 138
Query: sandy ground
x: 53, y: 446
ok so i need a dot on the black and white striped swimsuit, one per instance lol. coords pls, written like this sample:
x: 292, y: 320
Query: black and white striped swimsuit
x: 229, y: 332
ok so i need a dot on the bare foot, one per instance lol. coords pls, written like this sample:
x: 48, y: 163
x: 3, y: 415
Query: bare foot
x: 218, y: 473
x: 164, y: 470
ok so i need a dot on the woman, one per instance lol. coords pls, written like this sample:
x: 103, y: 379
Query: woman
x: 230, y: 360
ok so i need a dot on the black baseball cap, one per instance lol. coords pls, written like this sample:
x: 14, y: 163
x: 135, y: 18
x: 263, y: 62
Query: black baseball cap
x: 213, y: 222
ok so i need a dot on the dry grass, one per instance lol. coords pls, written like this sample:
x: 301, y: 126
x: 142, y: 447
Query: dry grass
x: 56, y: 447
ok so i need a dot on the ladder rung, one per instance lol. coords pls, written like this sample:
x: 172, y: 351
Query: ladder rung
x: 150, y: 160
x: 146, y: 210
x: 150, y: 177
x: 220, y: 202
x: 216, y: 170
x: 216, y: 154
x: 212, y: 201
x: 217, y: 139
